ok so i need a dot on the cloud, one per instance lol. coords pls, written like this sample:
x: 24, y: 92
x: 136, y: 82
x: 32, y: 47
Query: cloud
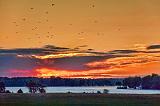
x: 44, y: 50
x: 82, y: 46
x: 74, y: 63
x: 24, y: 51
x: 25, y: 61
x: 52, y: 47
x: 156, y: 46
x: 57, y: 58
x: 10, y: 62
x: 123, y: 51
x: 135, y: 59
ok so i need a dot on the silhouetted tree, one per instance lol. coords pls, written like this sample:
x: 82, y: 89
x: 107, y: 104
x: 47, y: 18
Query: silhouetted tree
x: 147, y: 82
x: 20, y: 91
x: 105, y: 91
x: 42, y: 90
x: 132, y: 82
x: 7, y: 91
x: 99, y: 92
x: 2, y: 87
x: 35, y: 87
x: 118, y: 83
x: 32, y: 86
x: 151, y: 82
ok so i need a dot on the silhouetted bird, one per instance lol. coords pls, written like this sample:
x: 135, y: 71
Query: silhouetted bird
x: 24, y: 19
x: 93, y: 6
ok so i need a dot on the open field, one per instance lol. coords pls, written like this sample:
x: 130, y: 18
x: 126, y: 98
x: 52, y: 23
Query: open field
x: 78, y: 100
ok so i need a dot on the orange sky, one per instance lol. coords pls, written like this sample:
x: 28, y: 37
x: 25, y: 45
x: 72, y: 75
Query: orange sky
x: 101, y: 25
x: 117, y: 23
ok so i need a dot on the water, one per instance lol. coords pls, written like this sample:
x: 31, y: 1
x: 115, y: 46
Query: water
x: 112, y: 90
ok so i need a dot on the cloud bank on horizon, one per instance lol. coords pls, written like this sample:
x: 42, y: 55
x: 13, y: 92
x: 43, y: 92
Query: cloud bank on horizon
x: 76, y: 63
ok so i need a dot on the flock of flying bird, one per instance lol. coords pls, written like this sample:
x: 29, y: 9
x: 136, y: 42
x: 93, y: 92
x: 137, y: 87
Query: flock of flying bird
x: 35, y: 27
x: 49, y: 34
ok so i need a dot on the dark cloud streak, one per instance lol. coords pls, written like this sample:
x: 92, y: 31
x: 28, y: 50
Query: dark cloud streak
x: 156, y: 46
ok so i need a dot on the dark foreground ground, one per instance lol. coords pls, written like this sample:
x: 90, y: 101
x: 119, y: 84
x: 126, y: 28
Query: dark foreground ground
x: 78, y: 100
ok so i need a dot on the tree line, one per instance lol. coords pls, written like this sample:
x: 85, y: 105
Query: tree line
x: 34, y: 87
x: 37, y: 85
x: 57, y: 81
x: 146, y: 82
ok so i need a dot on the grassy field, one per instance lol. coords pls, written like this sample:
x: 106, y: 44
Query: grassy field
x: 78, y: 100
